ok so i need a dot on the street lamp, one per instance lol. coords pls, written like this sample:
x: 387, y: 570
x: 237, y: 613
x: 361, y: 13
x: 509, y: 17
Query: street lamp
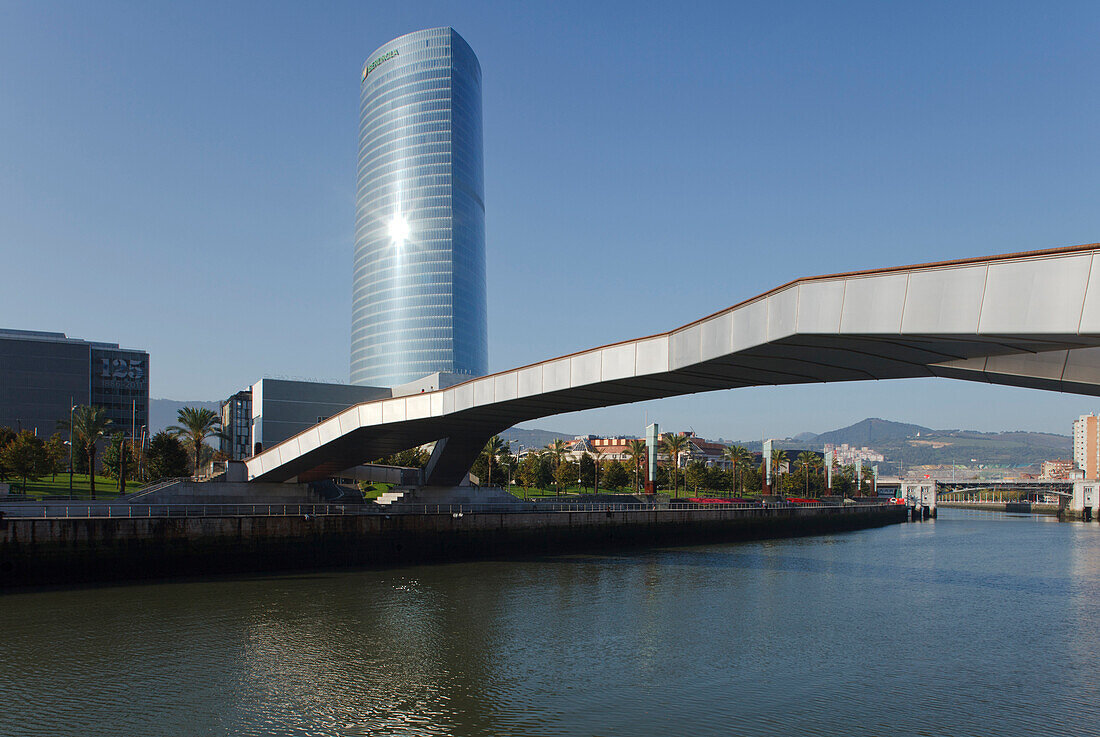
x: 72, y: 408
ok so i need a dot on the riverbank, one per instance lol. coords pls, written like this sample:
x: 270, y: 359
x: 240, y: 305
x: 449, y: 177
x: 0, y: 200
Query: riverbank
x: 74, y: 551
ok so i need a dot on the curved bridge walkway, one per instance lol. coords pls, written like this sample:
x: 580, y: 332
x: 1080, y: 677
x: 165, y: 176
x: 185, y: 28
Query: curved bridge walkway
x: 1028, y: 319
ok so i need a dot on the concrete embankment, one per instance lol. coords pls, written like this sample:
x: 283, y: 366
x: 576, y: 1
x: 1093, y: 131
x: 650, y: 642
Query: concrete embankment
x: 72, y: 551
x: 1018, y: 507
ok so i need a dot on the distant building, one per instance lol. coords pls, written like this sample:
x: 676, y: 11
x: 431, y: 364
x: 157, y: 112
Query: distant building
x: 1052, y: 470
x: 1086, y: 445
x: 237, y: 426
x: 42, y: 375
x: 847, y: 455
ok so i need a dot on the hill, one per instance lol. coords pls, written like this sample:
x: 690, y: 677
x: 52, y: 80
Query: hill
x: 868, y: 432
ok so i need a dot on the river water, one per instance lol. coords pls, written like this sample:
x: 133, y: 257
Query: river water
x: 973, y: 624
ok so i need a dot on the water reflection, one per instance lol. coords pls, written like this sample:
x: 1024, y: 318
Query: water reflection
x: 973, y: 624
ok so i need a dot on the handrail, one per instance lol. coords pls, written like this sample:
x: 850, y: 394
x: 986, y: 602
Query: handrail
x: 116, y: 510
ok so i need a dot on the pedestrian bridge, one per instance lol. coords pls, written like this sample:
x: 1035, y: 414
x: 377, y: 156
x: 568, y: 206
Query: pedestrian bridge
x: 1027, y: 319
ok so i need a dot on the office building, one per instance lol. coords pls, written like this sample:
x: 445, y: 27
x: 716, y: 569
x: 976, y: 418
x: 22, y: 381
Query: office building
x: 42, y: 375
x: 236, y: 412
x: 418, y: 302
x: 1086, y: 445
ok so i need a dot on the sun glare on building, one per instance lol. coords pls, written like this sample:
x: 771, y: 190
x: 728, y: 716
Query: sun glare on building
x: 399, y: 229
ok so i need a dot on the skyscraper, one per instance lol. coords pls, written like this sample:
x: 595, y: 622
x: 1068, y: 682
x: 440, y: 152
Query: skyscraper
x: 418, y: 301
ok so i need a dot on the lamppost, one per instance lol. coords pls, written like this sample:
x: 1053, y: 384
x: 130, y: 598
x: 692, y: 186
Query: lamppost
x: 72, y: 408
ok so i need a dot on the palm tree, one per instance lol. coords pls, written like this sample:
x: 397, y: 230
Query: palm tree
x: 196, y: 425
x: 806, y: 460
x: 739, y: 457
x: 596, y: 455
x: 637, y: 450
x: 89, y: 424
x: 557, y: 451
x: 492, y: 451
x: 779, y: 457
x: 674, y: 445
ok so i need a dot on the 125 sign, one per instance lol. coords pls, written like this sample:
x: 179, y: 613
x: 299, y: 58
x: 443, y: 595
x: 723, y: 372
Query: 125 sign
x: 120, y: 368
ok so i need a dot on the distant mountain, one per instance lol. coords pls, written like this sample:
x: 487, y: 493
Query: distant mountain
x: 163, y: 412
x: 868, y: 432
x: 533, y: 438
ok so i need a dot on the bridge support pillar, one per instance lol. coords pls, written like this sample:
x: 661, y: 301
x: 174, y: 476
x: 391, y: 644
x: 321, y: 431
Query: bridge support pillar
x: 453, y: 457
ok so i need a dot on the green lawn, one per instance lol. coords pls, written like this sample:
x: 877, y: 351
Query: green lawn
x: 105, y: 488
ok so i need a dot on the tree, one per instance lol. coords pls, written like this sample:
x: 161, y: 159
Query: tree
x: 556, y: 451
x: 806, y: 461
x: 639, y: 454
x: 534, y: 471
x: 118, y: 460
x: 409, y: 458
x: 696, y: 475
x: 165, y: 456
x: 89, y: 424
x: 57, y: 455
x: 25, y: 456
x: 196, y: 424
x: 674, y: 445
x: 615, y: 475
x: 596, y: 455
x: 587, y: 471
x: 565, y: 473
x: 6, y: 436
x: 489, y: 454
x: 739, y: 458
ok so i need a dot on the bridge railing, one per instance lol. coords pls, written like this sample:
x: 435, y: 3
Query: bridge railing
x: 114, y: 510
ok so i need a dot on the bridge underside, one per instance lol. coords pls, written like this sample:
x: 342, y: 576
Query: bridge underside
x: 1024, y: 320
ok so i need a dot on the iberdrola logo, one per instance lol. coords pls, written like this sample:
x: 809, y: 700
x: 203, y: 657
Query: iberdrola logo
x: 385, y: 57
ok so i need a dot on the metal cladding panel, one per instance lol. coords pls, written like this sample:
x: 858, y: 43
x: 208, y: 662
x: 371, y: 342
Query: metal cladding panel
x: 1037, y: 295
x: 506, y: 386
x: 289, y: 450
x: 1083, y: 366
x: 437, y: 404
x: 370, y: 414
x: 530, y: 381
x: 448, y: 401
x: 963, y: 364
x: 873, y: 304
x: 329, y: 430
x: 618, y: 362
x: 555, y: 375
x: 783, y: 313
x: 750, y: 325
x: 349, y: 420
x: 819, y: 306
x: 652, y: 356
x: 1090, y: 315
x: 464, y: 397
x: 716, y: 336
x: 1046, y: 365
x: 684, y: 347
x: 944, y: 301
x: 418, y: 406
x: 393, y: 410
x: 483, y: 391
x: 585, y: 368
x: 309, y: 440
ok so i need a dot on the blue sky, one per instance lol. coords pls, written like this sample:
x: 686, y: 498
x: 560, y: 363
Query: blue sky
x: 181, y: 177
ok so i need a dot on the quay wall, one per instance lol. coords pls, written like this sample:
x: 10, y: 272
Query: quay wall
x: 1052, y: 509
x: 75, y: 551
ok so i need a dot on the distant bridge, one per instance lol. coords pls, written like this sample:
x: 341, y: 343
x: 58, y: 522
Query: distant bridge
x: 1027, y: 319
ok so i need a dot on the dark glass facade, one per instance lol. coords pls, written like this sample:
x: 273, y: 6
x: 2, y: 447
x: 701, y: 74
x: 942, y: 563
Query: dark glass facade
x: 41, y: 373
x: 418, y: 302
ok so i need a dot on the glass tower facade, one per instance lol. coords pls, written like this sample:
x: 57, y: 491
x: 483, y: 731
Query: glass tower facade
x: 418, y: 301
